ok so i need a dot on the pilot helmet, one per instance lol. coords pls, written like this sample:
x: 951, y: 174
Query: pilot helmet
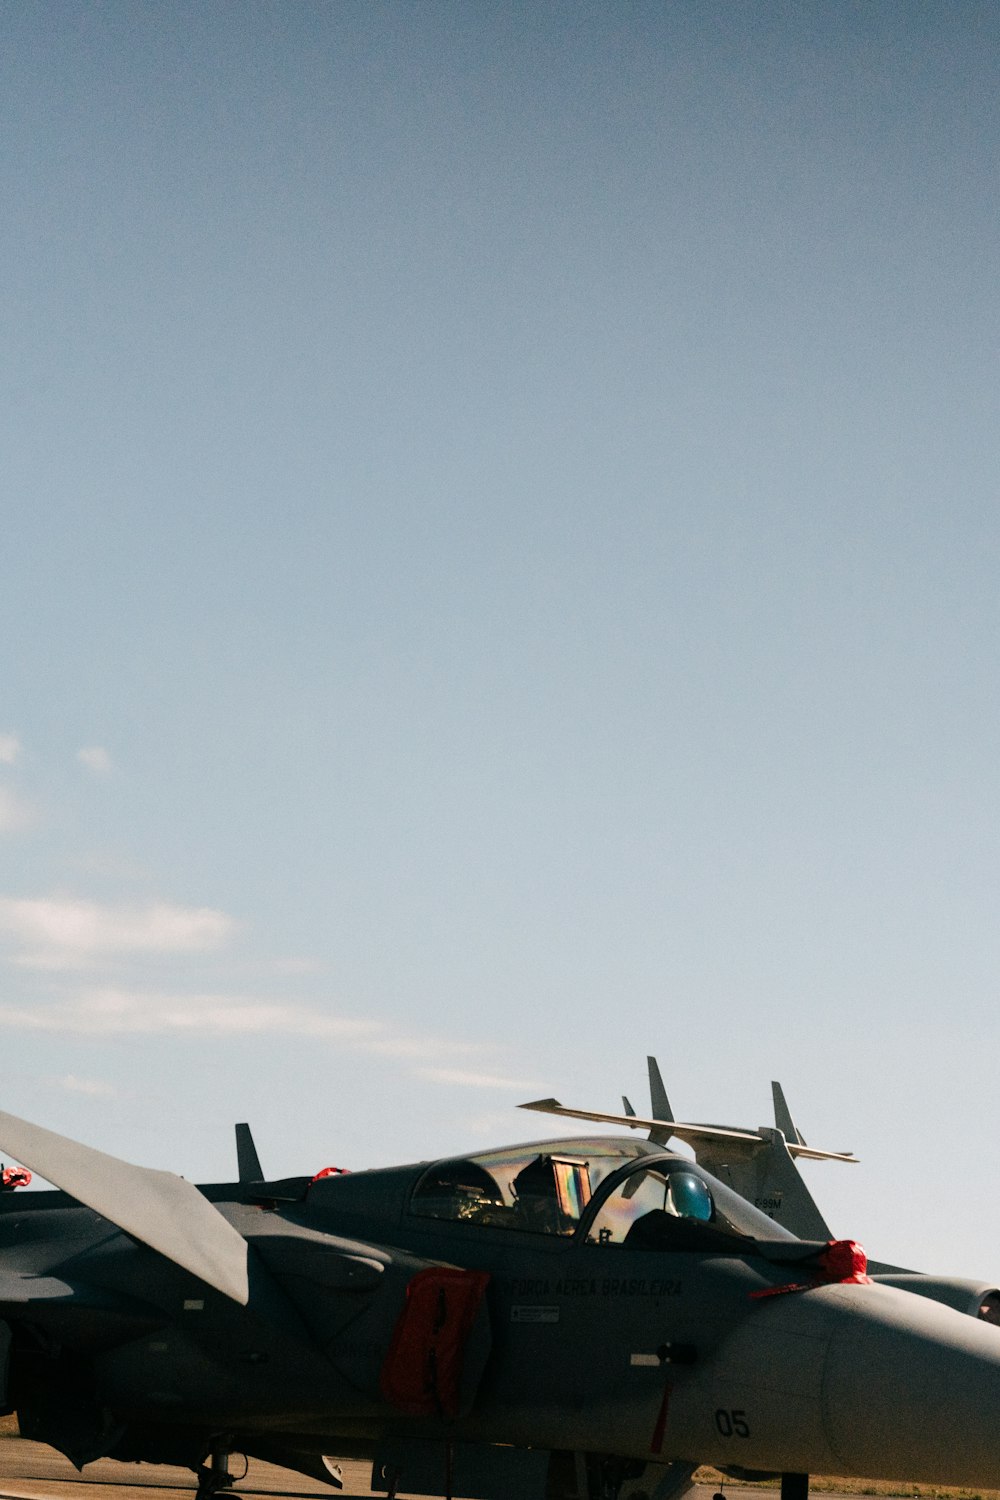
x: 688, y: 1197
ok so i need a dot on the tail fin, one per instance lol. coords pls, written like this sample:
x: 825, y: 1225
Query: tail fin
x: 768, y: 1177
x: 657, y: 1093
x: 248, y: 1162
x: 783, y: 1118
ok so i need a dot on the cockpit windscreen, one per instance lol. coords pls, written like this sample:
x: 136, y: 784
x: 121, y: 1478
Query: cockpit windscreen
x: 655, y: 1200
x: 671, y: 1204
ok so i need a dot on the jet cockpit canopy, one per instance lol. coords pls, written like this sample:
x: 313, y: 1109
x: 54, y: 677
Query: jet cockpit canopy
x: 599, y: 1187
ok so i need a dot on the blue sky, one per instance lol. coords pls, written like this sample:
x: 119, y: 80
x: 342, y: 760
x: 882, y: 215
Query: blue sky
x: 498, y: 576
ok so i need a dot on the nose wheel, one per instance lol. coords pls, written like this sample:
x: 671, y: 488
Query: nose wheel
x: 795, y: 1487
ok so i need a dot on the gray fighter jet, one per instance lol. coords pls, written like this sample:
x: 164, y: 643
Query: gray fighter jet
x: 584, y: 1319
x: 760, y: 1165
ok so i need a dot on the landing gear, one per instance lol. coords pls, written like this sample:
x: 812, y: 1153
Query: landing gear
x: 795, y: 1487
x: 390, y: 1474
x: 214, y: 1476
x: 591, y: 1476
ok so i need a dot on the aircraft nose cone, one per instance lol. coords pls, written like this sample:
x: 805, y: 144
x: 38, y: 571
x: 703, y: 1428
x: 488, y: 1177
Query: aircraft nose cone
x: 911, y: 1389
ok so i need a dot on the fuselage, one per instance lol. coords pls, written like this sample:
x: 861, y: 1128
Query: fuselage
x: 600, y: 1295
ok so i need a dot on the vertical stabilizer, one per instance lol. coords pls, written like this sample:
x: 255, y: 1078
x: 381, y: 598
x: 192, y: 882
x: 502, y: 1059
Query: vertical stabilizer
x: 657, y: 1093
x: 783, y: 1117
x: 768, y: 1178
x: 659, y: 1104
x: 626, y: 1105
x: 247, y: 1160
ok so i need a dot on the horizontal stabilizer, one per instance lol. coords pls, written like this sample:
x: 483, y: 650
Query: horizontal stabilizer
x: 158, y: 1208
x: 682, y: 1130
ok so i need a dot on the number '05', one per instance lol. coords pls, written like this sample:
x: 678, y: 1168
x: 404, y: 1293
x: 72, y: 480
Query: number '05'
x: 732, y: 1423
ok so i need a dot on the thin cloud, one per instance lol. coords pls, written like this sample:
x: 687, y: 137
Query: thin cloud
x: 66, y: 933
x: 14, y: 814
x: 96, y: 759
x: 10, y: 749
x: 92, y: 1088
x: 113, y: 1012
x: 471, y: 1080
x: 413, y: 1047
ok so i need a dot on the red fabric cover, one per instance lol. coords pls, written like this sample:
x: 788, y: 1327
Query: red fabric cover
x: 14, y: 1177
x: 844, y: 1260
x: 841, y: 1261
x: 422, y: 1371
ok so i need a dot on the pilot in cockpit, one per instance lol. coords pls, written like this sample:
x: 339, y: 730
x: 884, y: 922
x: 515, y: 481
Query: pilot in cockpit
x: 687, y: 1219
x: 536, y: 1196
x: 550, y: 1193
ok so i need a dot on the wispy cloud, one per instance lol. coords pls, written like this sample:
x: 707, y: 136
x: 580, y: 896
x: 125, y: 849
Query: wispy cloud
x: 66, y: 932
x: 93, y: 1088
x: 14, y: 814
x: 473, y: 1080
x: 121, y: 1013
x: 95, y: 758
x: 10, y: 749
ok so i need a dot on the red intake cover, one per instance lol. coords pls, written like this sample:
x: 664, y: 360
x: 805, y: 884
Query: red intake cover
x: 844, y: 1260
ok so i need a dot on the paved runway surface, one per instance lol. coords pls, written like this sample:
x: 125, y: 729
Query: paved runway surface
x: 33, y: 1471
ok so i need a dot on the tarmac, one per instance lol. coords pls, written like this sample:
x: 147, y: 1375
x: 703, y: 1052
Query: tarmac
x: 33, y: 1471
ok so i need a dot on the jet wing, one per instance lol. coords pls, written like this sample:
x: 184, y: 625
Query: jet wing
x: 158, y: 1208
x: 638, y: 1122
x: 682, y: 1130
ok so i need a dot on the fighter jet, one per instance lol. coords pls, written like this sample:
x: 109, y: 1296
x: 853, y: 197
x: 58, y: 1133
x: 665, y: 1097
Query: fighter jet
x: 760, y: 1165
x: 578, y: 1319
